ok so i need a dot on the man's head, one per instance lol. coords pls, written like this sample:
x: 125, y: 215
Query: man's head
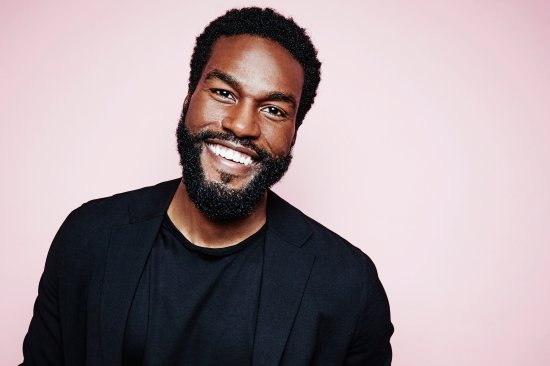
x: 264, y: 23
x: 246, y: 96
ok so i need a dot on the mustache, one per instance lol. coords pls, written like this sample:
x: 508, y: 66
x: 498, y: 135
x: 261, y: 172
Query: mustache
x: 205, y: 135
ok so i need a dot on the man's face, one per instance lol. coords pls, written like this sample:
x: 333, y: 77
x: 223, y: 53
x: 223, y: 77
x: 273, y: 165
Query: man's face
x: 237, y: 129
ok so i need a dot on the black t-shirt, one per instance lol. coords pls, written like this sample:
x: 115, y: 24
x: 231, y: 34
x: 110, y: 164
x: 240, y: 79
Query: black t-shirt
x: 193, y: 305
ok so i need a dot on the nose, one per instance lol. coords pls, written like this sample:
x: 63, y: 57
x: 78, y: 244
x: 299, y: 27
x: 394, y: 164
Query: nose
x: 242, y: 120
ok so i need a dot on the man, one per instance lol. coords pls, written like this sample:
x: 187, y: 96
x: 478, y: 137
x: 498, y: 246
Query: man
x: 214, y: 269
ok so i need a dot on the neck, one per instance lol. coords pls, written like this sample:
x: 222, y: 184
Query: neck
x: 203, y: 231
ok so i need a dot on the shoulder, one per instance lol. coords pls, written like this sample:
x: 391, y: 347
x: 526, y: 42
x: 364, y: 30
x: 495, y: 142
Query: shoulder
x: 335, y: 256
x: 87, y: 227
x: 122, y: 208
x: 332, y: 246
x: 341, y: 260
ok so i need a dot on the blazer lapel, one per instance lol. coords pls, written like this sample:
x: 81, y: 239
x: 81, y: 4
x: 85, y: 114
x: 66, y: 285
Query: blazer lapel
x: 129, y: 248
x: 285, y: 274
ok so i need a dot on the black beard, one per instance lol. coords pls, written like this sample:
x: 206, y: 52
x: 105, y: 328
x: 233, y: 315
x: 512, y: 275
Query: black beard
x: 217, y: 200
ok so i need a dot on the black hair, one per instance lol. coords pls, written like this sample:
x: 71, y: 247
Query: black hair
x: 269, y: 24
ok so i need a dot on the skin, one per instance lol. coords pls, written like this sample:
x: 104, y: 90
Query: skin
x: 250, y: 87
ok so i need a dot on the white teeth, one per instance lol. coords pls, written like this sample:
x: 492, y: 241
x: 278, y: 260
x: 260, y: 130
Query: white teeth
x: 230, y: 154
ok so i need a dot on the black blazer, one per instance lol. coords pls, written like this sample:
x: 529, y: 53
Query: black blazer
x: 321, y: 301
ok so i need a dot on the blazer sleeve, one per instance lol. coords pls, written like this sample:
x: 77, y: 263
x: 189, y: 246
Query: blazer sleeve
x: 43, y: 342
x: 371, y: 341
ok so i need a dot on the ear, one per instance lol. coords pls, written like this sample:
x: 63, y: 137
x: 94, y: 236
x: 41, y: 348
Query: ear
x: 185, y: 106
x: 186, y: 101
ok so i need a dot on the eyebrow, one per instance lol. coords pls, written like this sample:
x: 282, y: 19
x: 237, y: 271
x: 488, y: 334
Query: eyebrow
x: 234, y: 83
x: 282, y: 97
x: 226, y: 78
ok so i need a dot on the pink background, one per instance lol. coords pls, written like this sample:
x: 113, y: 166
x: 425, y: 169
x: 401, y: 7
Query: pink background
x: 428, y: 147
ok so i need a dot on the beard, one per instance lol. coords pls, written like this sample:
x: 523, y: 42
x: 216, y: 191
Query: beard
x: 217, y: 200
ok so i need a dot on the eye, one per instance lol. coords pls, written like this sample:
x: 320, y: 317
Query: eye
x: 274, y: 111
x: 224, y: 94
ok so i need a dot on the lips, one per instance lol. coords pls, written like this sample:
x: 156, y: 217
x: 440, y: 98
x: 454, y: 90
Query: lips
x: 230, y: 154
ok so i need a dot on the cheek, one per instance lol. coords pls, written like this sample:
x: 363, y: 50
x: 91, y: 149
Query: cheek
x: 279, y: 139
x: 203, y: 112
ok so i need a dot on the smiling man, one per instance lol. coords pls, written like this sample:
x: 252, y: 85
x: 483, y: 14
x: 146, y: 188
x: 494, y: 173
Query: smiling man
x: 213, y: 268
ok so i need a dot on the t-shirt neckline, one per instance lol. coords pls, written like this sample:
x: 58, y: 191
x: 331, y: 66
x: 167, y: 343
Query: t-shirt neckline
x: 232, y: 249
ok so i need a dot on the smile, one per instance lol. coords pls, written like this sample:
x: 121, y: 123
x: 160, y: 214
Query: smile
x: 230, y: 154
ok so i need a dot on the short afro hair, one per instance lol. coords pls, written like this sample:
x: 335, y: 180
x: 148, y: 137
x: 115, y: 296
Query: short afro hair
x: 269, y: 24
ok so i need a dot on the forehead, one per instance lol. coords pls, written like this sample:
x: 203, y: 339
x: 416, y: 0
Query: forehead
x: 259, y: 64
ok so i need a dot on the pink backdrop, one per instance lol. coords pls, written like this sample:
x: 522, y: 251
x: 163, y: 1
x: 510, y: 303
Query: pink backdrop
x: 428, y: 147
